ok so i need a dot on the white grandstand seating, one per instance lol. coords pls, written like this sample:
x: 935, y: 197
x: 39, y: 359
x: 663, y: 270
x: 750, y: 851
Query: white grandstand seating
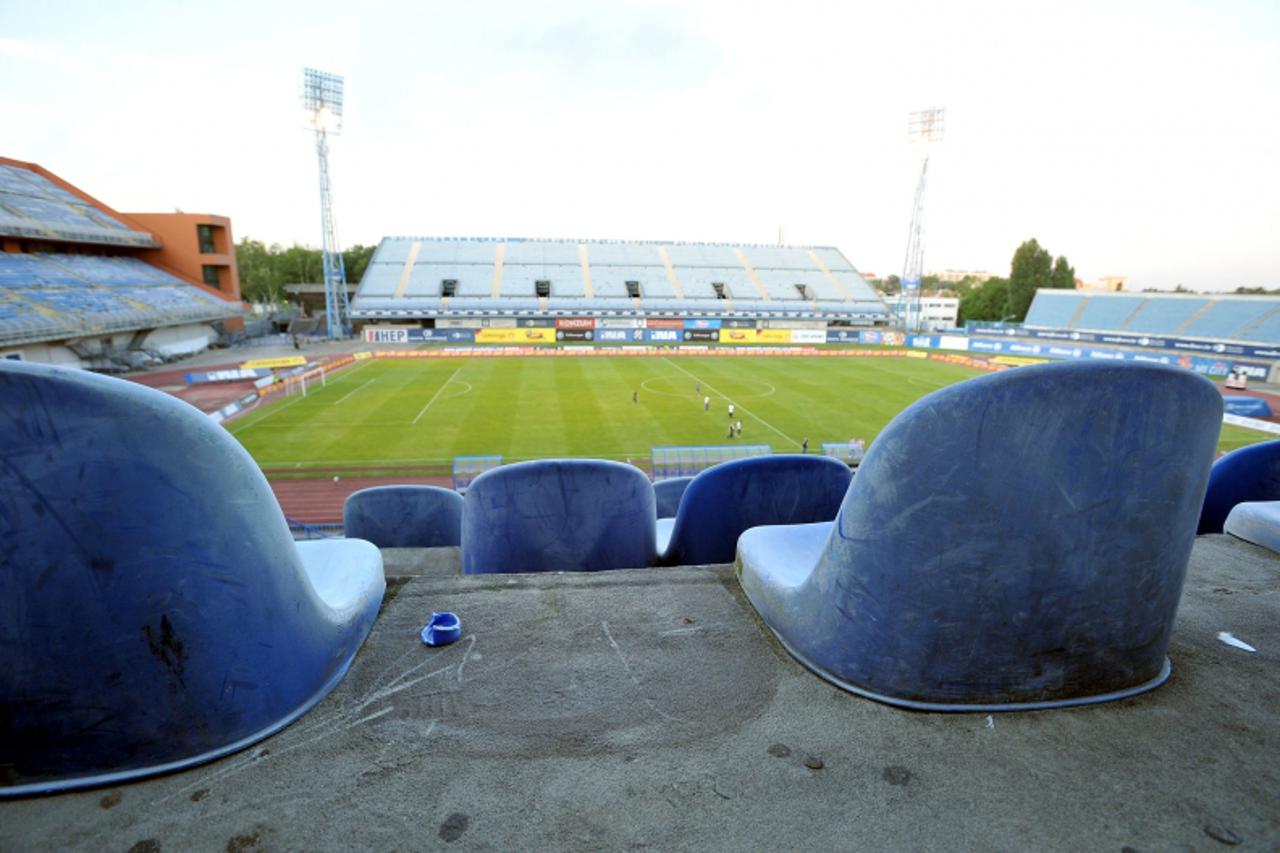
x: 1107, y: 313
x: 757, y: 279
x: 1223, y: 318
x: 1162, y: 316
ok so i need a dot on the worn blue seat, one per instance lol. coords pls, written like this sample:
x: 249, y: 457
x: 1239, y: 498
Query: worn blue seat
x: 404, y: 516
x: 1257, y: 522
x: 727, y: 499
x: 1249, y: 473
x: 566, y: 515
x: 155, y: 612
x: 1019, y: 540
x: 668, y: 492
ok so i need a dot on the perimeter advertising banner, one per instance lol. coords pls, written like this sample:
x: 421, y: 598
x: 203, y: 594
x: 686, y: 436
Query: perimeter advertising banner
x: 575, y: 335
x: 865, y: 336
x: 702, y: 334
x: 624, y: 335
x: 1198, y: 364
x: 284, y: 361
x: 664, y: 336
x: 373, y: 335
x: 200, y: 377
x: 516, y: 336
x: 418, y: 336
x: 777, y: 336
x: 620, y: 323
x: 702, y: 323
x: 1130, y: 340
x: 536, y: 322
x: 809, y: 336
x: 664, y: 323
x: 737, y: 336
x: 575, y: 323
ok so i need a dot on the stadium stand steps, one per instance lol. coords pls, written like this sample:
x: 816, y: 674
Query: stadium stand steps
x: 81, y: 294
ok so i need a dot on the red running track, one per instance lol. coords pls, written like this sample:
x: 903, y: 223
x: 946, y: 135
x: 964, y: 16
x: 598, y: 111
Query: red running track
x: 319, y: 501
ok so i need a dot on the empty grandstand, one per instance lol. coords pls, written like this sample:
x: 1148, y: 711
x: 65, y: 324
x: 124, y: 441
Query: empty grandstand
x: 81, y: 284
x: 426, y: 278
x: 1216, y: 335
x: 1243, y: 319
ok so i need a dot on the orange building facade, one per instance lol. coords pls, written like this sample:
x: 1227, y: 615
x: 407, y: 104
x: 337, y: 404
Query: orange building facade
x: 198, y: 246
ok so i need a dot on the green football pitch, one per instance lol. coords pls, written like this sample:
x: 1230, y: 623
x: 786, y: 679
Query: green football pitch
x: 385, y: 414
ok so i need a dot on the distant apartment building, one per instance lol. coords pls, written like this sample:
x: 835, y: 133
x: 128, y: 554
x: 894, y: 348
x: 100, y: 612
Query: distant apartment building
x: 953, y: 276
x: 937, y: 312
x: 1106, y: 284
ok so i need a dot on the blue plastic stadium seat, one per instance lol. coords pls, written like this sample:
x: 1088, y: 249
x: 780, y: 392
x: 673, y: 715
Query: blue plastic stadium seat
x: 404, y: 516
x: 1246, y: 474
x: 1019, y: 540
x: 668, y: 492
x: 727, y: 499
x: 1257, y: 522
x: 567, y: 515
x: 155, y: 613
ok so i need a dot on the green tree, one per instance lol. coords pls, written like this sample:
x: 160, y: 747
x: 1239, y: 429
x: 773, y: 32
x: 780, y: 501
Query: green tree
x: 265, y: 270
x: 987, y: 301
x: 1063, y: 276
x: 259, y: 279
x: 355, y: 260
x: 1032, y: 268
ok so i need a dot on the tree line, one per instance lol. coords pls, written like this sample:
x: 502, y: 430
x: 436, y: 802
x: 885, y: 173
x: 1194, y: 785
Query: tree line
x: 1002, y: 299
x: 265, y: 270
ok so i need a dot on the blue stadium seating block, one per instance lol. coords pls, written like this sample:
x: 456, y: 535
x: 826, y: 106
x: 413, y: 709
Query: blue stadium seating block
x: 1249, y: 473
x: 1019, y: 540
x: 155, y: 612
x: 567, y: 515
x: 404, y: 516
x: 724, y: 501
x: 668, y: 492
x: 1257, y: 522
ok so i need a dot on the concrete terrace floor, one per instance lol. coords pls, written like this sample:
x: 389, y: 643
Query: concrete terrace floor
x: 650, y: 709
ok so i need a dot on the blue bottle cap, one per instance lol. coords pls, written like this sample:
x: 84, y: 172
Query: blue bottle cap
x: 442, y: 629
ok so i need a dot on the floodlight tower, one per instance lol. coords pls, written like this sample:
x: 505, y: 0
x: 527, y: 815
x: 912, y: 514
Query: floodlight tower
x: 924, y: 128
x: 322, y: 101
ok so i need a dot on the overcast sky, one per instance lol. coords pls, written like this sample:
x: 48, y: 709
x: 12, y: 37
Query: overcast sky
x: 1138, y: 139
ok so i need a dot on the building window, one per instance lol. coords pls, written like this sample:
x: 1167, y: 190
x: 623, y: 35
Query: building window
x: 204, y: 234
x: 211, y: 276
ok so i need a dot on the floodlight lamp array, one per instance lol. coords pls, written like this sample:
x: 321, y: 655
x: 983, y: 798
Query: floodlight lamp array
x: 926, y: 125
x: 322, y: 91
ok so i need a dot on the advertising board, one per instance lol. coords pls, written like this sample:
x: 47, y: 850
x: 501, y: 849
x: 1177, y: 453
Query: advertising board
x: 515, y: 336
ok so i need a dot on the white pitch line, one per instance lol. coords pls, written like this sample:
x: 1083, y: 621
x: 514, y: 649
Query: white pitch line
x: 349, y: 393
x: 433, y: 396
x: 240, y: 426
x: 738, y: 406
